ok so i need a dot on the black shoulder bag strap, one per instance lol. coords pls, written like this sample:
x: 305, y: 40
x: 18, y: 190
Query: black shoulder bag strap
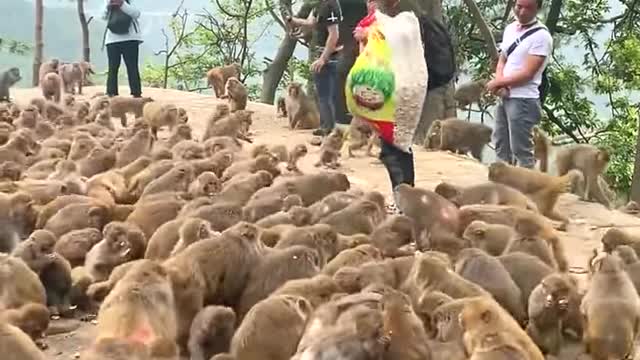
x: 521, y: 38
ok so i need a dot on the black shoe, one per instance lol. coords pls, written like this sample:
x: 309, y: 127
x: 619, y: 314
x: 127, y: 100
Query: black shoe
x: 321, y: 132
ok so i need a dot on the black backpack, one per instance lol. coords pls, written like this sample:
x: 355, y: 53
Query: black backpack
x: 118, y: 22
x: 439, y: 51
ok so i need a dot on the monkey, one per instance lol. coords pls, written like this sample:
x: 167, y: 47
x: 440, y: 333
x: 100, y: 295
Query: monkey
x: 149, y: 215
x: 192, y: 230
x: 206, y: 184
x: 218, y: 76
x: 266, y: 163
x: 627, y: 254
x: 330, y: 149
x: 180, y: 132
x: 611, y: 308
x: 51, y: 85
x: 164, y: 239
x: 462, y: 136
x: 140, y: 307
x: 274, y: 270
x: 256, y: 210
x: 121, y: 242
x: 406, y: 335
x: 10, y: 171
x: 72, y: 76
x: 526, y: 270
x: 8, y: 78
x: 310, y: 187
x: 492, y: 238
x: 295, y: 154
x: 188, y: 150
x: 484, y: 193
x: 78, y: 216
x: 239, y: 192
x: 542, y: 188
x: 121, y: 106
x: 615, y: 237
x: 483, y: 269
x: 216, y: 144
x: 116, y: 349
x: 183, y: 116
x: 20, y: 145
x: 281, y: 107
x: 392, y: 234
x: 358, y: 217
x: 75, y: 244
x: 253, y: 338
x: 468, y: 93
x: 157, y: 114
x: 19, y: 284
x: 215, y: 268
x: 592, y: 161
x: 302, y: 112
x: 161, y: 153
x: 175, y: 180
x: 536, y: 230
x: 431, y: 273
x: 426, y: 307
x: 548, y: 310
x: 29, y: 117
x: 435, y: 218
x: 236, y: 92
x: 221, y: 111
x: 18, y: 217
x: 47, y: 67
x: 296, y: 215
x: 211, y: 332
x: 489, y: 332
x: 361, y: 133
x: 56, y: 278
x: 541, y: 148
x: 232, y: 126
x: 17, y: 345
x: 352, y: 257
x: 37, y: 250
x: 31, y: 318
x: 321, y: 237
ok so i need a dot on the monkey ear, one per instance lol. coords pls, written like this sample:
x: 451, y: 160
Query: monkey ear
x: 303, y: 305
x: 486, y: 316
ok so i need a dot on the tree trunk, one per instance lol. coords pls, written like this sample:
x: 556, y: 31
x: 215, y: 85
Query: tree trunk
x: 37, y: 54
x: 554, y: 16
x: 635, y: 181
x: 84, y: 26
x: 273, y: 73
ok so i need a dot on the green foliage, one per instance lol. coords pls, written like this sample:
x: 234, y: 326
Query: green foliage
x: 14, y: 47
x: 610, y: 72
x: 210, y: 39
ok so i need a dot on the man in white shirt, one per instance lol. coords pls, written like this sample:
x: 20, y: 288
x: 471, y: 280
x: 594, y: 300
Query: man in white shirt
x: 517, y: 78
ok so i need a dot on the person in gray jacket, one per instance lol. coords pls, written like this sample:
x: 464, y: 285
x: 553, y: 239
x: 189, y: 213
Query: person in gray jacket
x: 123, y: 44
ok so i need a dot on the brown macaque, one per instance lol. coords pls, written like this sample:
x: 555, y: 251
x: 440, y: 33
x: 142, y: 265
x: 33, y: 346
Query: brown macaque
x: 37, y: 250
x: 358, y: 217
x: 72, y: 77
x: 17, y: 345
x: 221, y: 111
x: 469, y: 93
x: 330, y: 149
x: 78, y: 216
x: 157, y: 114
x: 8, y: 78
x: 211, y: 332
x: 485, y: 193
x: 121, y: 106
x: 543, y: 189
x: 236, y: 92
x: 32, y: 318
x: 592, y: 162
x: 75, y: 245
x: 268, y: 163
x: 402, y: 328
x: 51, y: 86
x: 492, y: 238
x: 461, y: 136
x: 20, y: 285
x: 392, y: 234
x: 295, y: 154
x: 361, y: 133
x: 491, y: 333
x: 218, y: 76
x: 615, y: 237
x: 610, y: 309
x: 485, y: 270
x: 300, y: 109
x: 48, y: 67
x: 233, y: 126
x: 352, y: 257
x: 191, y: 231
x: 281, y: 107
x: 541, y: 148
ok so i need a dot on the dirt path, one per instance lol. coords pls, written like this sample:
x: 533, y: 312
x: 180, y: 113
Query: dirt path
x: 589, y: 220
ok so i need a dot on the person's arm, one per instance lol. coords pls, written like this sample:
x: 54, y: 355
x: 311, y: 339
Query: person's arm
x: 130, y: 10
x: 500, y: 66
x: 310, y: 21
x: 105, y: 14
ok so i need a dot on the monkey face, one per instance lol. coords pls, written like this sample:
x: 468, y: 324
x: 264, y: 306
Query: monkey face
x: 496, y: 171
x: 294, y: 90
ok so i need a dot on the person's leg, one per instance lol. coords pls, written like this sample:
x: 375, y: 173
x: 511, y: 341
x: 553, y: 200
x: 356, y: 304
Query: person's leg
x: 523, y: 115
x: 113, y: 57
x: 332, y: 79
x: 500, y: 134
x: 130, y: 54
x: 400, y: 167
x: 324, y: 80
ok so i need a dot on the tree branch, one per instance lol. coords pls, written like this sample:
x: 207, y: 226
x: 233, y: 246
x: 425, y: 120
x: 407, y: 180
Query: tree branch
x: 484, y: 29
x: 552, y: 117
x: 554, y: 16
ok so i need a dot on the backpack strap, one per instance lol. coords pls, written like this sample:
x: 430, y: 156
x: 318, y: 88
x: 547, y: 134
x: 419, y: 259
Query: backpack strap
x: 521, y: 38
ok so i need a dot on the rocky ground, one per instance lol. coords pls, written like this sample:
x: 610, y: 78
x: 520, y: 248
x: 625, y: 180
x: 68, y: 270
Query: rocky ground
x: 589, y: 220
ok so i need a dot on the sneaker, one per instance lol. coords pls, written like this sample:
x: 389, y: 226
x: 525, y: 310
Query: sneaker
x: 320, y: 132
x: 392, y: 209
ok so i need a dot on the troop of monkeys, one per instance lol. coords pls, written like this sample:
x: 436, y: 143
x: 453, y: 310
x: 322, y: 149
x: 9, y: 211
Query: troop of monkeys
x: 209, y: 248
x: 56, y: 78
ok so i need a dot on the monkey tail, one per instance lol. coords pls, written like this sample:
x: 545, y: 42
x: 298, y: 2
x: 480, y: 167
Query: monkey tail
x: 568, y: 182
